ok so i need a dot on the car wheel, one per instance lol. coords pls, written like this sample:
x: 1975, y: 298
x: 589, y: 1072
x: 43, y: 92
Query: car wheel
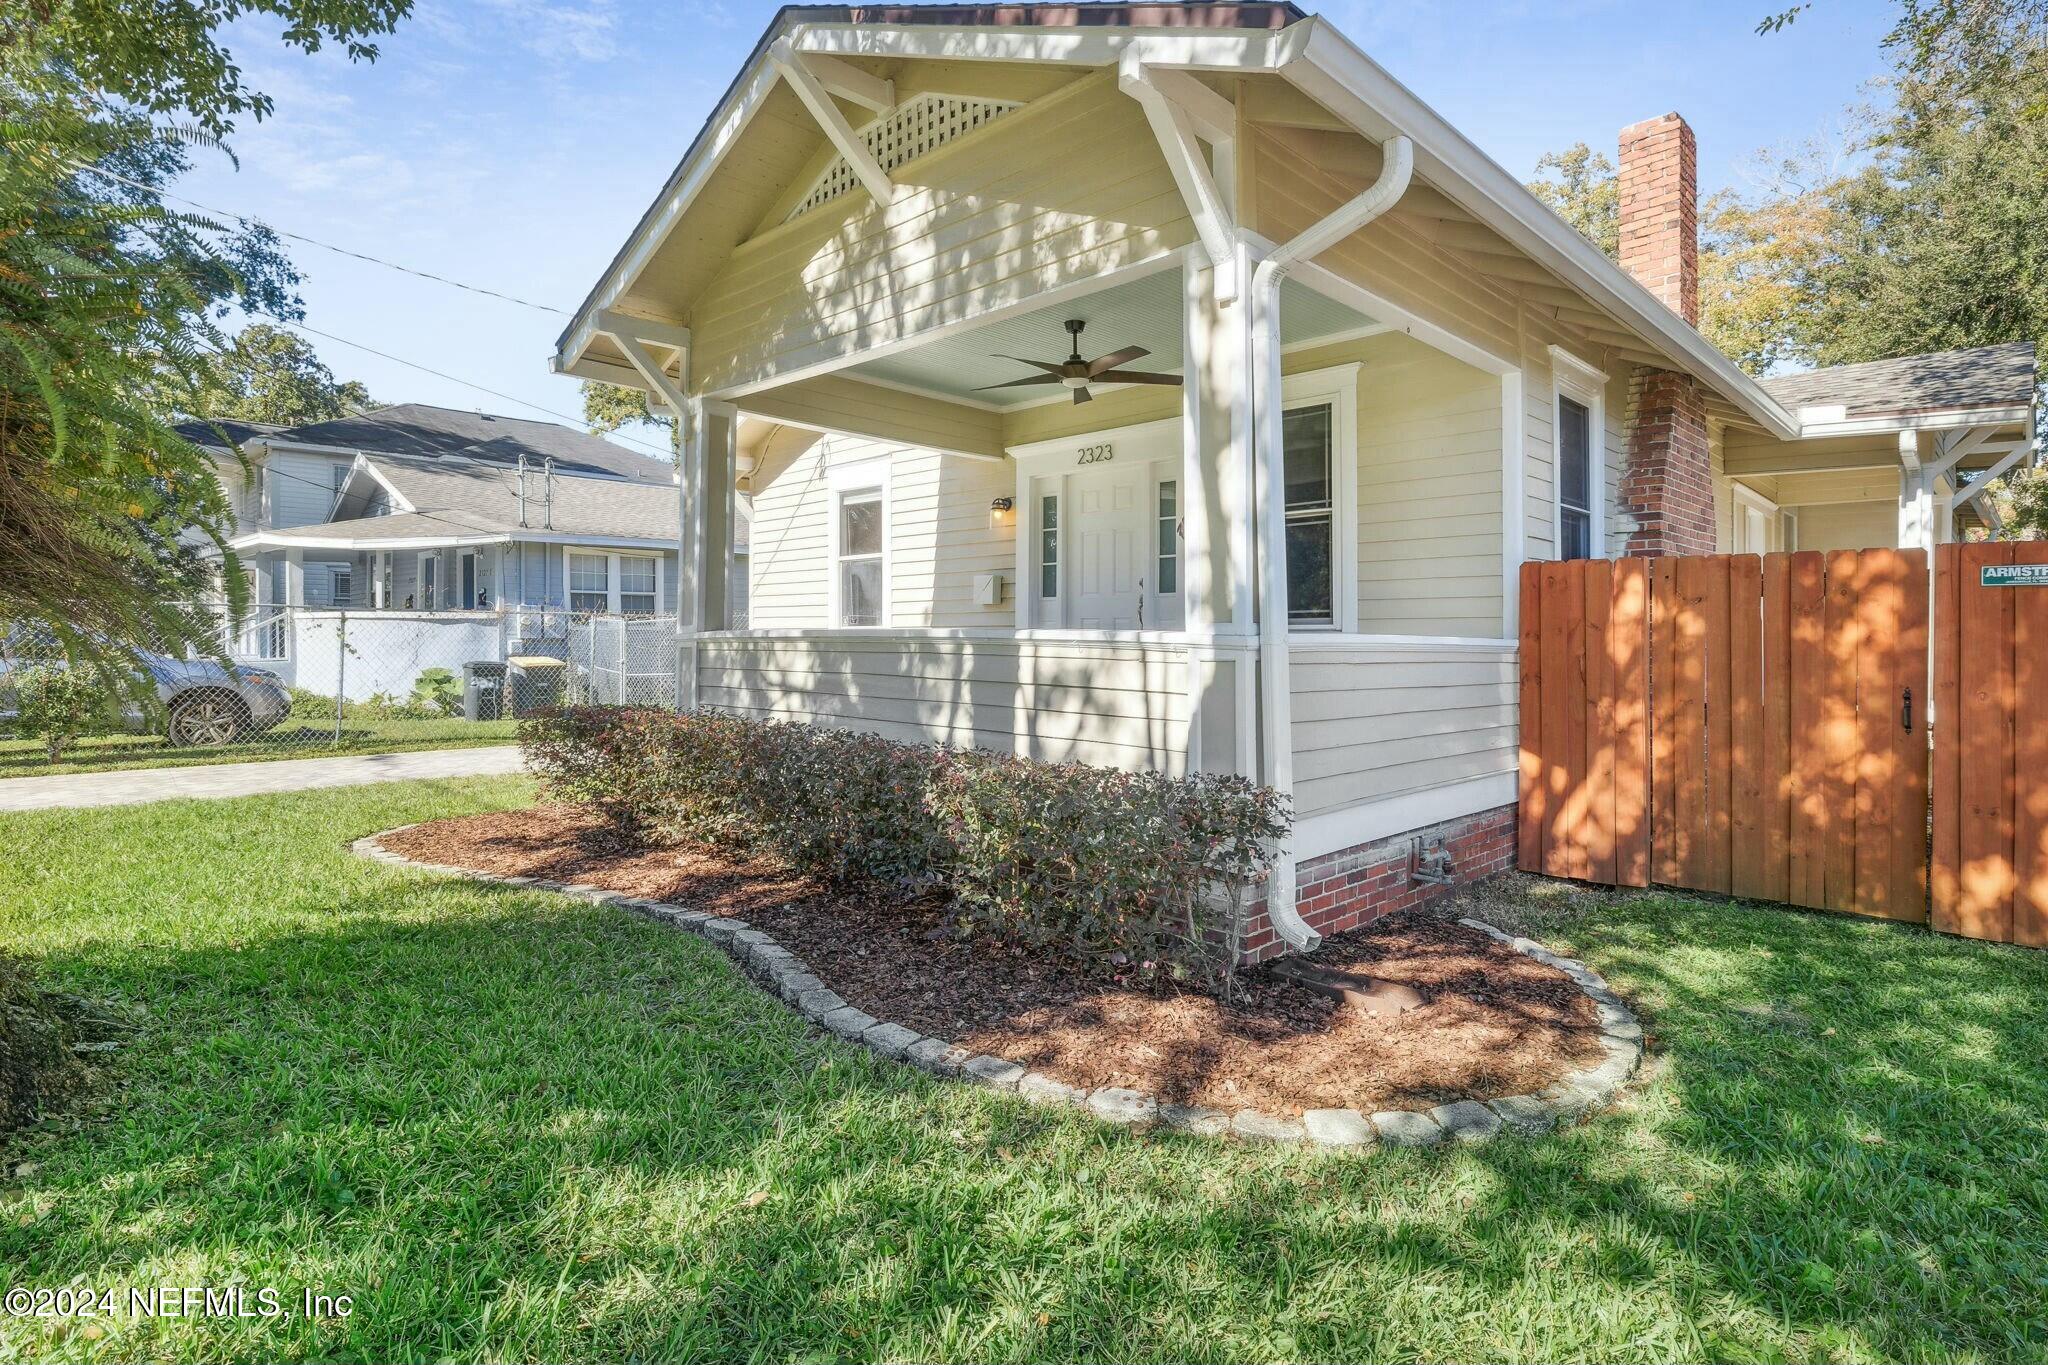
x: 208, y: 721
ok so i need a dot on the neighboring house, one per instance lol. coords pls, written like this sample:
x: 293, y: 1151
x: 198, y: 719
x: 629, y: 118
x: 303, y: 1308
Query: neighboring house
x: 1368, y: 376
x: 435, y: 509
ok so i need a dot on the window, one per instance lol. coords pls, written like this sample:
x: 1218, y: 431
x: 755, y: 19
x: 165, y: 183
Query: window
x: 1169, y: 537
x: 341, y: 587
x: 1308, y: 446
x: 590, y: 582
x: 1574, y: 479
x: 860, y: 558
x: 1049, y: 546
x: 340, y: 472
x: 430, y: 578
x: 636, y: 585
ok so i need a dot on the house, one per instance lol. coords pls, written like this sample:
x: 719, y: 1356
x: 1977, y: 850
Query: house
x: 436, y: 509
x: 1165, y: 385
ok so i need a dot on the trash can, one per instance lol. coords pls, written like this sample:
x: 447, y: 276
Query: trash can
x: 535, y: 681
x: 483, y: 690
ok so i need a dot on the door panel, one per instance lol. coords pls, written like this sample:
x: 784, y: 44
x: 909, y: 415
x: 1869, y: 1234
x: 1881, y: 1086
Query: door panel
x: 1107, y: 536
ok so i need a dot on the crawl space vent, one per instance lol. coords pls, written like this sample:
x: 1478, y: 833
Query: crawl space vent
x: 905, y: 133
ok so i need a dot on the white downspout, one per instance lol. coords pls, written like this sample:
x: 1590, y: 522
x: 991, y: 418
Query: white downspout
x: 1276, y: 710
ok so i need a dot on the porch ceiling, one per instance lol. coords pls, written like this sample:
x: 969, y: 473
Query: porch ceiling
x: 1145, y: 312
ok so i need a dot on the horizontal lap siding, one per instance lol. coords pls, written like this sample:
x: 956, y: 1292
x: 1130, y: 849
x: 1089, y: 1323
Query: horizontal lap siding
x: 1372, y: 722
x: 1429, y: 493
x: 1002, y: 215
x: 1125, y: 707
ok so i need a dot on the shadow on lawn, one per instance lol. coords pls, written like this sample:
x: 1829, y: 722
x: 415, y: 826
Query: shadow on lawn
x: 1845, y: 1143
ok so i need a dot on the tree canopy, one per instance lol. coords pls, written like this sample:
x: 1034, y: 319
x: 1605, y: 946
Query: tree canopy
x: 272, y: 374
x: 108, y: 301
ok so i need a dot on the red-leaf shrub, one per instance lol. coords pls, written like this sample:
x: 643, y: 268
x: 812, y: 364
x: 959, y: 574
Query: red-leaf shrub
x: 1140, y: 870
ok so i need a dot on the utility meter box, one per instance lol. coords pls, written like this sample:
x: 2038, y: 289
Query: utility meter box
x: 989, y: 589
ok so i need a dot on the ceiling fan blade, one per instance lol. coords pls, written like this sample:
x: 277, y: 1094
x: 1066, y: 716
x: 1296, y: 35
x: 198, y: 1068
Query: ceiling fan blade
x: 1116, y: 358
x: 1047, y: 366
x: 1135, y: 377
x: 1083, y: 396
x: 1028, y: 379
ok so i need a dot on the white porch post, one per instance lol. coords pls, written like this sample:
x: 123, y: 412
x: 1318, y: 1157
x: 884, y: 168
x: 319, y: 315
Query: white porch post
x: 1916, y: 493
x: 293, y: 567
x: 721, y: 430
x: 691, y: 458
x: 1216, y: 522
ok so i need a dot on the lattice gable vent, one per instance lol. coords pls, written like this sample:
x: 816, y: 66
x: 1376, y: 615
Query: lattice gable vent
x: 920, y: 125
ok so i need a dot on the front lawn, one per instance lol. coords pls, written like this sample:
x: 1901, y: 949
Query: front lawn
x: 295, y: 738
x: 514, y: 1126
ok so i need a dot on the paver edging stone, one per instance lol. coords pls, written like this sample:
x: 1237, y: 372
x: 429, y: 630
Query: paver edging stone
x: 786, y: 977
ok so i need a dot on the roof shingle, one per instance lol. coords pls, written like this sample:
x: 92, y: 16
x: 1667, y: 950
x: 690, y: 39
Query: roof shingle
x: 1979, y: 377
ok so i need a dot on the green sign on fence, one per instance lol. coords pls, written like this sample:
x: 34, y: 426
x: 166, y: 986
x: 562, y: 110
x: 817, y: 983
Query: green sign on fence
x: 2013, y: 575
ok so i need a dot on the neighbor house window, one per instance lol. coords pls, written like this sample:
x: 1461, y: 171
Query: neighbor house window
x: 1308, y: 447
x: 590, y: 582
x: 860, y: 558
x: 430, y: 579
x: 636, y: 585
x: 1049, y: 546
x: 1574, y: 479
x: 1168, y: 537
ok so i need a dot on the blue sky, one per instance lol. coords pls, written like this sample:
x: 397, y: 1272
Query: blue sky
x: 513, y: 143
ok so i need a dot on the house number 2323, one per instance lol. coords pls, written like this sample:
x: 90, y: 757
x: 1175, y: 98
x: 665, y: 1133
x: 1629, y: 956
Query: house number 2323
x: 1101, y: 454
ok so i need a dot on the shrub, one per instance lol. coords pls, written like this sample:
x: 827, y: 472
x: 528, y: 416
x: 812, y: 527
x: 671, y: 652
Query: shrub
x: 435, y: 692
x: 1139, y: 870
x: 58, y: 705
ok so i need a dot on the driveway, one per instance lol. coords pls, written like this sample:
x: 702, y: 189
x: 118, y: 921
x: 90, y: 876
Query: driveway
x: 249, y: 779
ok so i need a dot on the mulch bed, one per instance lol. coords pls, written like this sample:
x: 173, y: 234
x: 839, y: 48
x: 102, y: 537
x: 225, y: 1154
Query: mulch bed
x: 1492, y: 1022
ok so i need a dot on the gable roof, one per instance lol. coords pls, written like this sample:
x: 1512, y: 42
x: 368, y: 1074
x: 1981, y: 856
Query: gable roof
x: 424, y: 430
x: 1980, y: 377
x: 1276, y: 40
x: 463, y: 499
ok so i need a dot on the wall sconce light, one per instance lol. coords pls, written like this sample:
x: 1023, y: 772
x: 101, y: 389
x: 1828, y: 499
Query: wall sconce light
x: 1000, y: 512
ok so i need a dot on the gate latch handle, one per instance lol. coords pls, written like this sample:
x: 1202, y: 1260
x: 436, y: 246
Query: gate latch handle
x: 1906, y: 711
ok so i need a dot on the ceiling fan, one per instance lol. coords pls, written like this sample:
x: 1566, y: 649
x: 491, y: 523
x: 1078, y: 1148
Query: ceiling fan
x: 1077, y: 374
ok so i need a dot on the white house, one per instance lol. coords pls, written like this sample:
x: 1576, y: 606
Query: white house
x: 1338, y: 376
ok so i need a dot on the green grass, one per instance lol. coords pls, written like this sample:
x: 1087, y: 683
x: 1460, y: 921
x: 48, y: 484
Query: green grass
x: 294, y: 738
x: 514, y: 1126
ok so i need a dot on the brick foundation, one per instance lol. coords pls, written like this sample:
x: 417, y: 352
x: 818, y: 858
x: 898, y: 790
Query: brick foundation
x: 1352, y: 887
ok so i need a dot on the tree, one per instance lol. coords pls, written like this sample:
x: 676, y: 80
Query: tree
x: 1579, y: 185
x: 607, y: 407
x: 271, y: 374
x: 106, y: 300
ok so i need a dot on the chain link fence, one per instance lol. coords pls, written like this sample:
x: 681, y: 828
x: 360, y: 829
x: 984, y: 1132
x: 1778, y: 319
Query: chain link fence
x: 304, y: 680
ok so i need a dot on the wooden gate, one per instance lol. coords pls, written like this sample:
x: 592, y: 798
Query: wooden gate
x: 1990, y: 875
x: 1748, y: 726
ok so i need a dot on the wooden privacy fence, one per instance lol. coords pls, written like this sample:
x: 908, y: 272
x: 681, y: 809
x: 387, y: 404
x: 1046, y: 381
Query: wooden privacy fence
x: 1990, y: 875
x: 1755, y: 727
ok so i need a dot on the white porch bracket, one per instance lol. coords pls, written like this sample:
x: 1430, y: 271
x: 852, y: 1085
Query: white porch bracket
x: 1982, y: 481
x: 1275, y: 696
x: 815, y: 87
x: 1184, y: 113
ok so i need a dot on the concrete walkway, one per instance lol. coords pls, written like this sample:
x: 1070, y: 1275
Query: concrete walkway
x: 248, y: 779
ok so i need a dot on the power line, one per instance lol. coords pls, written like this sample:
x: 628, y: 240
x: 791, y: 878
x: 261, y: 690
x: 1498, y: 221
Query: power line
x: 245, y: 219
x: 666, y: 454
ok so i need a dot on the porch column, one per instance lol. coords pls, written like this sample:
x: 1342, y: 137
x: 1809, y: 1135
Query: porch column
x: 721, y: 424
x: 1916, y: 492
x: 692, y: 452
x: 293, y: 568
x: 1217, y: 527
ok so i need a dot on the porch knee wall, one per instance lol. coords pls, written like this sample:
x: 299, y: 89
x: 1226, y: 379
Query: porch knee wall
x: 1351, y: 887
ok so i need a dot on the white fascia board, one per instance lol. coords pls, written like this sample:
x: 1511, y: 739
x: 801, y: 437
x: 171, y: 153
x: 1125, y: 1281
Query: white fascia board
x: 1344, y: 80
x: 284, y: 540
x: 605, y: 542
x: 1226, y: 50
x: 1938, y: 420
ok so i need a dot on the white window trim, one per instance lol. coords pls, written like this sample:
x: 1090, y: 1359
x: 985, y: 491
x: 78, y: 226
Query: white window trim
x: 1573, y: 378
x: 612, y: 576
x: 1742, y: 495
x: 1337, y: 386
x: 862, y: 476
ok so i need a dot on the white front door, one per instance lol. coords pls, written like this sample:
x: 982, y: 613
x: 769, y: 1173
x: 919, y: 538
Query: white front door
x: 1106, y: 546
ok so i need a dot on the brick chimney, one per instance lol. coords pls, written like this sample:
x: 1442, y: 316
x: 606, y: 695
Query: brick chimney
x: 1669, y: 483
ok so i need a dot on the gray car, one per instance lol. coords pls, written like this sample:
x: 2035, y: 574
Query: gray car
x: 199, y: 702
